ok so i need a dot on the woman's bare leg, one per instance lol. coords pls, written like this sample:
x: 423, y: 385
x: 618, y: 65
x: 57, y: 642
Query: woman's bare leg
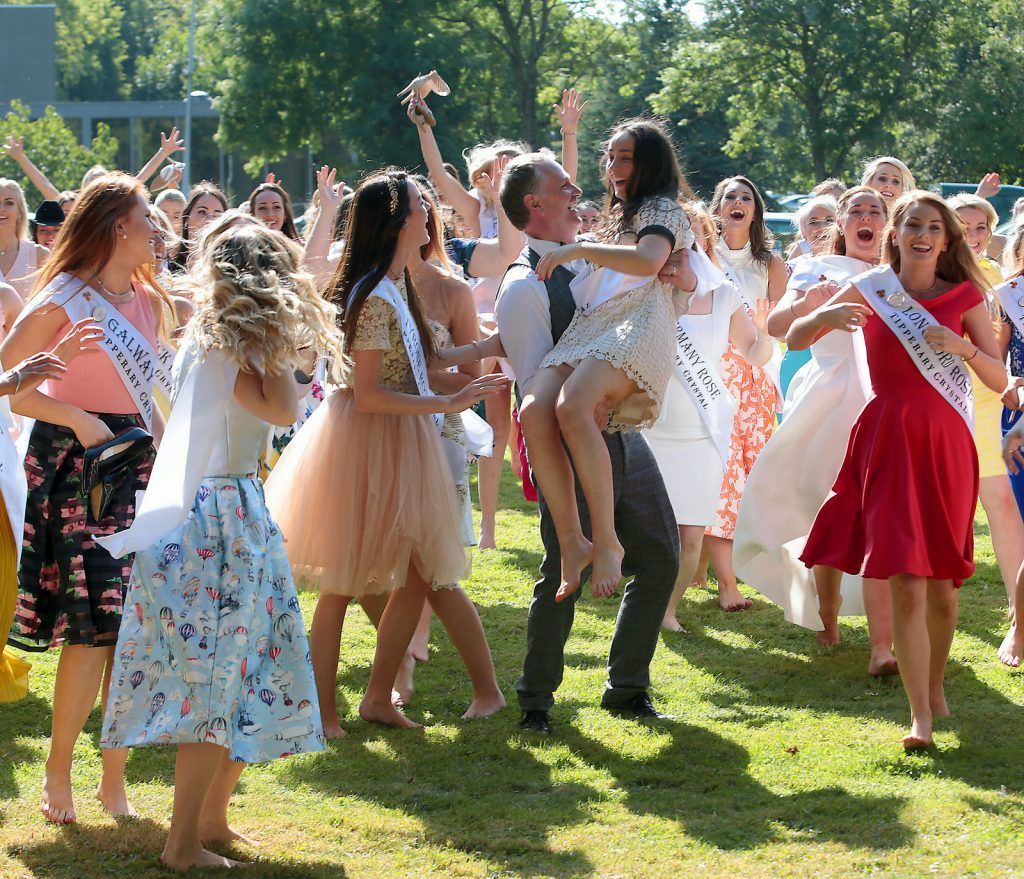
x: 691, y: 539
x: 827, y: 582
x: 111, y: 792
x: 554, y: 474
x: 941, y: 610
x: 878, y: 607
x: 394, y: 633
x: 1012, y: 648
x: 462, y: 622
x: 420, y: 646
x: 79, y: 674
x: 1005, y: 526
x: 213, y: 822
x: 729, y: 596
x: 913, y: 648
x: 325, y: 652
x: 194, y: 773
x: 700, y: 579
x: 594, y: 383
x: 498, y: 409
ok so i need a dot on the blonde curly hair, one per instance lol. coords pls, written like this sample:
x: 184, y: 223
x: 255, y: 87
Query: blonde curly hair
x: 254, y: 301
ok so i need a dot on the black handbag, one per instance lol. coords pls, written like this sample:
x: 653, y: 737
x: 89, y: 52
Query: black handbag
x: 105, y: 467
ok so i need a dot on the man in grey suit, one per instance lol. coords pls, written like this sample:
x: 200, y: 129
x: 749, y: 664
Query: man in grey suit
x: 540, y: 198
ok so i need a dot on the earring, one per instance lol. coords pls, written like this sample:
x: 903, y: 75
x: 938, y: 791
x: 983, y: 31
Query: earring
x: 124, y: 235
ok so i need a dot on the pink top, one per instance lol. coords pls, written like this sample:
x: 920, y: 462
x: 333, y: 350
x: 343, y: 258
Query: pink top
x: 92, y: 382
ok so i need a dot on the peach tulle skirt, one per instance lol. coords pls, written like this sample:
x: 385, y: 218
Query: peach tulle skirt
x: 360, y: 497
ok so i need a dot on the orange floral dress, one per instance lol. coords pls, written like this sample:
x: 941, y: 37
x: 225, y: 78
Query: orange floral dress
x: 756, y: 401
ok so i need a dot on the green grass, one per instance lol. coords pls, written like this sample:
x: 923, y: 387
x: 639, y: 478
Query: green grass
x: 784, y: 761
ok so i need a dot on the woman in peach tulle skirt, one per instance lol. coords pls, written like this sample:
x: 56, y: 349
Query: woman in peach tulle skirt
x: 364, y: 494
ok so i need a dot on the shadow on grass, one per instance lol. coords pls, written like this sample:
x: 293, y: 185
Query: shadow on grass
x: 28, y: 718
x: 133, y: 848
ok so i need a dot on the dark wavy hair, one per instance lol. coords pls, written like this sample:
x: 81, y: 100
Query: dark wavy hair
x: 288, y: 228
x: 761, y: 238
x: 371, y: 238
x: 656, y: 170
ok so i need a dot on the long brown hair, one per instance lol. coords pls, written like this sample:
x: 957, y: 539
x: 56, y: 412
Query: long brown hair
x: 88, y: 237
x: 371, y: 238
x: 288, y: 228
x: 837, y: 240
x: 957, y: 263
x: 761, y: 238
x: 656, y: 171
x: 434, y: 249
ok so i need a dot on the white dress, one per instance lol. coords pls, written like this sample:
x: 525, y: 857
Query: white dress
x: 22, y: 274
x: 688, y: 458
x: 795, y: 473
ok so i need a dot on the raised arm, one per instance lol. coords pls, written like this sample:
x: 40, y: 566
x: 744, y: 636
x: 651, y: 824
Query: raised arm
x: 491, y: 257
x: 462, y: 202
x: 749, y: 333
x: 169, y: 145
x: 569, y: 112
x: 643, y: 259
x: 798, y: 303
x: 15, y: 149
x: 316, y: 254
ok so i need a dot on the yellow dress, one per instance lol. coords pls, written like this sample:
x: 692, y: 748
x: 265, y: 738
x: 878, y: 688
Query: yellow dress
x: 13, y: 671
x: 988, y: 408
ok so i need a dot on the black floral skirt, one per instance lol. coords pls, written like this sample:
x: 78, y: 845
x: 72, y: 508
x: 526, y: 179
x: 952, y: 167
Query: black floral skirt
x: 71, y: 590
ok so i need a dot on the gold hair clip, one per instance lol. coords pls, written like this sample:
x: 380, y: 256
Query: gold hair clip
x: 393, y: 192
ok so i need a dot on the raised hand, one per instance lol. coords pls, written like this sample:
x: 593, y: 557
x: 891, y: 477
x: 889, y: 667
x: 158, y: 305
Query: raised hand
x: 420, y: 114
x: 989, y: 186
x: 330, y: 192
x: 490, y: 184
x: 270, y: 178
x: 83, y: 336
x: 570, y: 110
x: 14, y: 148
x: 31, y: 373
x: 477, y: 390
x: 759, y: 314
x: 817, y: 295
x: 171, y: 143
x: 423, y: 85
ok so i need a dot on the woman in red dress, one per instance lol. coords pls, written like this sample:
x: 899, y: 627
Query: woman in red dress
x: 902, y: 507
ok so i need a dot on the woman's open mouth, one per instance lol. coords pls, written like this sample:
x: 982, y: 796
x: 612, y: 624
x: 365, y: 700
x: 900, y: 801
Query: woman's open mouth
x: 865, y: 235
x: 737, y: 215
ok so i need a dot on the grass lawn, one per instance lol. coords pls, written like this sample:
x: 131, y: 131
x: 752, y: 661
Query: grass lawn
x: 784, y: 761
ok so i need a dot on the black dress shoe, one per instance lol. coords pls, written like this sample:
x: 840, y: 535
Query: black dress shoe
x: 639, y: 706
x: 536, y: 721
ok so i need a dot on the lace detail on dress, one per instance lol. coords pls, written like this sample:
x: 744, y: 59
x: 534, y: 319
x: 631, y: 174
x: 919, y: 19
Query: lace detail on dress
x: 378, y: 329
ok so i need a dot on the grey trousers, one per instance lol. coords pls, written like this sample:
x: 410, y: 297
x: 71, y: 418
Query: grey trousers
x: 647, y: 529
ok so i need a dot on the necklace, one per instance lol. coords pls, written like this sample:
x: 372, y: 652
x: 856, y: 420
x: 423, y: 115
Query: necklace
x: 116, y: 297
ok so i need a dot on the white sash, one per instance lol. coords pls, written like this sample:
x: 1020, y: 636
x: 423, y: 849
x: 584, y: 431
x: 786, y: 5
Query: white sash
x: 13, y: 484
x: 478, y: 432
x: 193, y: 429
x: 774, y: 366
x: 699, y: 375
x: 137, y: 364
x: 908, y: 320
x: 811, y: 270
x: 1011, y: 297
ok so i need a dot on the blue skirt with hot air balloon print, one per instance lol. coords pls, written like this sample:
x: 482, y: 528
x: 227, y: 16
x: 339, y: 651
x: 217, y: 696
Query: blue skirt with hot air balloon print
x: 212, y: 647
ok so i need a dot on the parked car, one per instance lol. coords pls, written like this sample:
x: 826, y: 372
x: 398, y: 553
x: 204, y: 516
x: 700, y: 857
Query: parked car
x: 1002, y: 201
x: 783, y: 227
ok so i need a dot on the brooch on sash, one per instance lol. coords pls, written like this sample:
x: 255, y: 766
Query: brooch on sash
x: 897, y: 299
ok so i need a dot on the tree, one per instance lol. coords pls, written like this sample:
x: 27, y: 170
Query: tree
x: 814, y: 81
x: 54, y: 148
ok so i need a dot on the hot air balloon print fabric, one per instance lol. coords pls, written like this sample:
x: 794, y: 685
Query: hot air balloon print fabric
x: 212, y: 647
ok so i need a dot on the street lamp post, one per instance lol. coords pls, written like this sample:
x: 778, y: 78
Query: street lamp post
x: 186, y: 177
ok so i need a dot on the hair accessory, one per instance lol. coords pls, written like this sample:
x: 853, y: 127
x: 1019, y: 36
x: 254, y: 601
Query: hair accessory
x: 393, y: 192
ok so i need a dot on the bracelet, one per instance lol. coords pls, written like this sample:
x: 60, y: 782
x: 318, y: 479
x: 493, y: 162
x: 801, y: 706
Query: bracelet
x: 792, y: 309
x: 567, y: 133
x: 975, y: 354
x: 476, y: 348
x: 17, y: 375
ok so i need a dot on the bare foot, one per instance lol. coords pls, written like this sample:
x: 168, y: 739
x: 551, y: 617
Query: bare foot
x: 485, y: 706
x: 333, y: 730
x: 937, y: 701
x: 401, y: 695
x: 730, y: 598
x: 486, y: 536
x: 607, y: 569
x: 1012, y: 648
x: 419, y: 647
x: 386, y: 715
x: 577, y: 554
x: 882, y: 664
x: 185, y: 860
x: 115, y: 800
x: 700, y: 579
x: 56, y: 802
x: 671, y: 624
x: 920, y: 737
x: 220, y: 833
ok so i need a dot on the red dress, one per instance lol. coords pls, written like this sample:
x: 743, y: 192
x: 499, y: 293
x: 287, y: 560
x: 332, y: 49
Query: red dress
x: 904, y: 499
